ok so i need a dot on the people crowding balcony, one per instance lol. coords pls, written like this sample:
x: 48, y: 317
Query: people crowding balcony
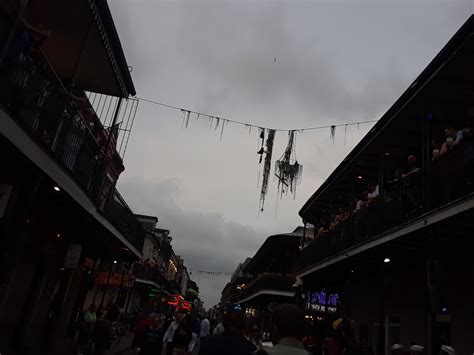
x: 453, y: 138
x: 406, y: 186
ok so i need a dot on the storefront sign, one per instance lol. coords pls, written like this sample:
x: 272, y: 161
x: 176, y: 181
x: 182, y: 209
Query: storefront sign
x: 322, y: 301
x: 5, y: 192
x: 104, y: 278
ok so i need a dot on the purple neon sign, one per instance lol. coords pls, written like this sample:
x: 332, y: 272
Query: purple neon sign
x: 322, y: 301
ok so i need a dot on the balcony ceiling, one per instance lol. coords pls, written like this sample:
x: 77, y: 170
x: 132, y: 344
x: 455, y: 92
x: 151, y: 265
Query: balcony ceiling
x: 103, y: 67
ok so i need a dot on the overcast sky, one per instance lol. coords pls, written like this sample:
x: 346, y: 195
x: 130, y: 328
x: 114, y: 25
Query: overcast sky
x: 337, y: 62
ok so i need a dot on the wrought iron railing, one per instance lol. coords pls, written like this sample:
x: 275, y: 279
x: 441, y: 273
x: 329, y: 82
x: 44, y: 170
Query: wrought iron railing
x: 268, y: 281
x: 36, y: 98
x: 448, y: 179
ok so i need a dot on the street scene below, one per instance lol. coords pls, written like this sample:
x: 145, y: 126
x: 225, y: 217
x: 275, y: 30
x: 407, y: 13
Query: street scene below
x: 236, y: 178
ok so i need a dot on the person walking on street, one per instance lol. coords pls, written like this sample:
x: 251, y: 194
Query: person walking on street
x: 232, y: 341
x: 254, y: 337
x: 169, y: 335
x: 205, y: 330
x: 287, y: 331
x: 89, y: 318
x: 142, y: 325
x: 219, y: 329
x: 184, y: 338
x: 105, y: 332
x: 152, y: 339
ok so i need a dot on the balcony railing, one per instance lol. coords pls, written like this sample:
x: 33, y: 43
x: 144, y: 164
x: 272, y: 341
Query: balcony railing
x: 268, y: 281
x: 447, y: 180
x: 36, y: 98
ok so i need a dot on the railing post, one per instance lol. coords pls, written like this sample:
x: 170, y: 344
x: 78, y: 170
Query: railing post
x: 100, y: 173
x: 425, y: 152
x: 381, y: 177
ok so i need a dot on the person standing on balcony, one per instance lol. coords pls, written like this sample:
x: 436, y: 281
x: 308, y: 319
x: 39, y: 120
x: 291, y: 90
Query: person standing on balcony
x: 373, y: 192
x: 447, y: 350
x: 411, y: 174
x: 397, y: 349
x: 411, y: 177
x: 453, y: 138
x: 323, y: 229
x: 362, y: 202
x: 416, y: 349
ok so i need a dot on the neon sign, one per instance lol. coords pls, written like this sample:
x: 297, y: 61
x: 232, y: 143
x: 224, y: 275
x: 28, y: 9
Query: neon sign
x: 322, y: 301
x: 178, y: 302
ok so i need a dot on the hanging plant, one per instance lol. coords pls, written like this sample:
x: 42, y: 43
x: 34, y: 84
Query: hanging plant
x: 287, y: 169
x: 267, y: 165
x: 332, y: 133
x: 262, y: 140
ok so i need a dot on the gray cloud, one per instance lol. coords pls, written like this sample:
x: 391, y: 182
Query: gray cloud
x: 338, y: 61
x: 206, y: 240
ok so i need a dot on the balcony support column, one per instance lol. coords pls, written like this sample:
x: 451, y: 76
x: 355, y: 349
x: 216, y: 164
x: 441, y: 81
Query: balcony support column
x: 425, y: 150
x: 381, y: 344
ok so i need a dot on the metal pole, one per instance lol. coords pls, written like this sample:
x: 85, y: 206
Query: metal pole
x: 381, y: 345
x: 348, y: 291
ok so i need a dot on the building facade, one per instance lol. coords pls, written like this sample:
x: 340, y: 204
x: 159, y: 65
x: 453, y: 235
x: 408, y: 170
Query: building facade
x: 393, y: 222
x: 62, y: 220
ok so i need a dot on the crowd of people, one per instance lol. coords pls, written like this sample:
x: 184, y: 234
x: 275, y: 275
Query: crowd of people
x: 98, y: 328
x: 405, y: 186
x: 186, y: 333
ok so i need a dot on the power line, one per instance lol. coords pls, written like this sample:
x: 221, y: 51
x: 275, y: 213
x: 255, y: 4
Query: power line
x: 252, y: 125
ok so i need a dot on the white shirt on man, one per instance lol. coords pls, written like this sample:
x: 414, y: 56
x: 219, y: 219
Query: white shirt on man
x: 204, y: 328
x: 219, y: 329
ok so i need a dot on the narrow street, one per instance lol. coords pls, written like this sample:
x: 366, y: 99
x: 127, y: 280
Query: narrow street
x: 236, y: 177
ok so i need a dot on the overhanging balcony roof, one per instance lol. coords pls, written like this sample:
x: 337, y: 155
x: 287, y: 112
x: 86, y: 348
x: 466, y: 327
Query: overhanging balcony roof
x: 449, y: 79
x: 103, y: 67
x: 275, y: 249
